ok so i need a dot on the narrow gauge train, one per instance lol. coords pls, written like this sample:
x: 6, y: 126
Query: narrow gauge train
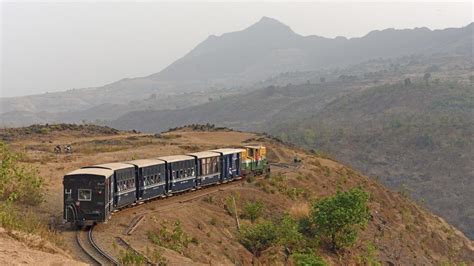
x: 92, y: 193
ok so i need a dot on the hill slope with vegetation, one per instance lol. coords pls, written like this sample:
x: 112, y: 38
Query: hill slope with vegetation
x: 416, y: 138
x: 290, y: 216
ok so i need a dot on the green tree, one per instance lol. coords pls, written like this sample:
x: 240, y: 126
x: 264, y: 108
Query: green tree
x: 340, y: 217
x: 258, y: 237
x: 253, y: 210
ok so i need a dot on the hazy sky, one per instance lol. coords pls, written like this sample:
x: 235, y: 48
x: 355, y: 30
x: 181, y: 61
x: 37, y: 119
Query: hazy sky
x: 59, y: 46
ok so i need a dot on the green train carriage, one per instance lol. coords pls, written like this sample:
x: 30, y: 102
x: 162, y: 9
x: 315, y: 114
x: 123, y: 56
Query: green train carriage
x: 254, y: 161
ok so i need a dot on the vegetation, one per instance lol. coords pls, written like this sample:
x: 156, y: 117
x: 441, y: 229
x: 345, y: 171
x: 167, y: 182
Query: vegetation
x: 174, y: 238
x: 252, y: 210
x: 340, y: 217
x: 258, y: 237
x: 21, y: 187
x: 18, y: 183
x: 307, y: 259
x: 130, y: 257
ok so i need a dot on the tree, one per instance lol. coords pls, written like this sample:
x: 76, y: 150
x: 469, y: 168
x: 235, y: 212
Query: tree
x: 340, y: 217
x: 253, y: 210
x: 258, y: 237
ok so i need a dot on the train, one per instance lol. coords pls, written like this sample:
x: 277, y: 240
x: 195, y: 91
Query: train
x: 93, y: 193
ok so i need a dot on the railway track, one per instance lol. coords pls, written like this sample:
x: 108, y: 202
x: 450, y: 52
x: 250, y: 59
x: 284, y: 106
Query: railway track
x: 85, y: 240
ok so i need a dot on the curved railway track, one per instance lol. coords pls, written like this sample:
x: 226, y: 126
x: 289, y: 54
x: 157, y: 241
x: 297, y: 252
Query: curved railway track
x: 85, y: 240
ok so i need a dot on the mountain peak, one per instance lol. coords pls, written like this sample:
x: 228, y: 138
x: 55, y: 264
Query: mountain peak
x: 266, y: 23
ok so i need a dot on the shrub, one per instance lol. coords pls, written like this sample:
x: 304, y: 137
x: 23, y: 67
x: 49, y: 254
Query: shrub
x: 289, y: 235
x: 130, y: 257
x: 340, y: 217
x: 253, y: 210
x: 307, y: 259
x: 258, y: 237
x: 175, y: 238
x: 18, y: 183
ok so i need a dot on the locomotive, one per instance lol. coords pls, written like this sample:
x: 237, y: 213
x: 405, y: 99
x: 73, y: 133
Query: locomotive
x: 93, y: 193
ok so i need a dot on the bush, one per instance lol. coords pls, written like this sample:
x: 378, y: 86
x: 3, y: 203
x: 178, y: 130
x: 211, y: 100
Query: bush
x: 289, y: 235
x: 307, y: 259
x: 18, y: 183
x: 253, y: 210
x: 130, y: 257
x: 258, y: 237
x: 340, y: 217
x: 175, y: 238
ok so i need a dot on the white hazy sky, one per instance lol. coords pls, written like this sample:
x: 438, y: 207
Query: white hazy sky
x: 47, y: 46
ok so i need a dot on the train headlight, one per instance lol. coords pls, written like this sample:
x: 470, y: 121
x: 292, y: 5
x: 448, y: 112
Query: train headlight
x: 78, y: 203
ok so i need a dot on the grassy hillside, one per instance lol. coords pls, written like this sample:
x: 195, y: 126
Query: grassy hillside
x: 416, y: 138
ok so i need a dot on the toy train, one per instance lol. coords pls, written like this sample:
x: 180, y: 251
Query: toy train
x: 93, y: 193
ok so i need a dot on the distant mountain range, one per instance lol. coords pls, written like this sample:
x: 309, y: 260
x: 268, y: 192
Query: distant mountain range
x: 231, y: 61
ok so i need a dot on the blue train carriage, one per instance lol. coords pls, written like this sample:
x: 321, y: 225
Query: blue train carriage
x: 180, y: 173
x: 124, y: 178
x: 230, y: 161
x: 208, y: 167
x: 151, y: 178
x: 88, y: 196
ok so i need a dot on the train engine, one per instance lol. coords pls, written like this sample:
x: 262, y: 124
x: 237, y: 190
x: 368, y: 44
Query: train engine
x: 254, y: 161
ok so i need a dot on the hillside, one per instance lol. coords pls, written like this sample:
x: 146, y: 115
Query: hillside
x: 351, y: 111
x: 416, y: 138
x: 233, y: 62
x: 399, y: 231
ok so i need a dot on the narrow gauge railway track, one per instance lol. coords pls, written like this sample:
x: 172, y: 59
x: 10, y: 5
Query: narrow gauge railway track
x: 85, y: 240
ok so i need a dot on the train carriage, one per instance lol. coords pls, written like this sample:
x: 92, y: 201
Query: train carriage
x: 151, y: 178
x: 92, y: 193
x: 180, y: 172
x: 208, y: 167
x: 230, y: 162
x: 88, y: 195
x: 125, y: 192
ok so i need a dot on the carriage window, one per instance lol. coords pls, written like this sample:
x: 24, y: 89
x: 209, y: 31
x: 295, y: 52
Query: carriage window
x: 84, y: 194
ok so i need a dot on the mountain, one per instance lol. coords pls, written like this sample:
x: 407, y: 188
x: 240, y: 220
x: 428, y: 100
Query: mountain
x: 243, y: 58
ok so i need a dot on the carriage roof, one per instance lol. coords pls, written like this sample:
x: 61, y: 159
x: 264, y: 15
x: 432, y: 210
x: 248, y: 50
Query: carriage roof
x: 204, y: 154
x: 175, y: 158
x: 92, y: 171
x: 226, y: 151
x: 146, y: 162
x: 111, y: 166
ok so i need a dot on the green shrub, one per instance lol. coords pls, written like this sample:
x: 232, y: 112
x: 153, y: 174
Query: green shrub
x: 130, y: 257
x: 307, y: 259
x: 258, y: 237
x: 253, y: 210
x: 340, y: 217
x: 174, y: 238
x: 289, y: 235
x: 18, y: 183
